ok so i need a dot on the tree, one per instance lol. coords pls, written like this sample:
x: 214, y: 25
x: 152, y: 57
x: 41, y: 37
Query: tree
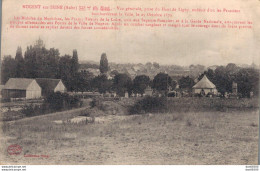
x: 232, y: 68
x: 148, y: 65
x: 8, y: 68
x: 19, y: 54
x: 41, y: 62
x: 196, y: 69
x: 30, y: 60
x: 210, y: 75
x: 58, y: 101
x: 103, y: 64
x: 75, y: 62
x: 186, y: 83
x: 161, y: 82
x: 140, y: 83
x: 52, y: 63
x: 222, y: 80
x: 65, y: 72
x: 82, y: 81
x: 101, y: 83
x: 247, y: 80
x: 156, y: 65
x: 19, y: 63
x: 122, y: 83
x: 87, y: 77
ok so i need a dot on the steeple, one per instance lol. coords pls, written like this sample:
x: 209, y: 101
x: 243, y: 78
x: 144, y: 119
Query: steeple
x: 39, y: 43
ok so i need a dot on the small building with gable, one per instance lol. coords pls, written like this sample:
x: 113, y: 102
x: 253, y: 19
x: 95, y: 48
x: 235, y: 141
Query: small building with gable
x: 49, y: 85
x: 204, y: 86
x: 148, y: 91
x: 23, y: 88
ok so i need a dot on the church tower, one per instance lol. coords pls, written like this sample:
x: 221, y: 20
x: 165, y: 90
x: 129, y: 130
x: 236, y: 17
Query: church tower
x: 39, y: 43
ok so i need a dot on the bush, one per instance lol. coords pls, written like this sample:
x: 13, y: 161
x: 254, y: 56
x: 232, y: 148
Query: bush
x: 95, y: 103
x: 149, y: 105
x: 34, y: 110
x: 52, y: 103
x: 60, y: 101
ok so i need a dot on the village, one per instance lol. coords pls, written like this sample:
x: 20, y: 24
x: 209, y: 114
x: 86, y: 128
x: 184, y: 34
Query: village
x: 25, y: 89
x: 133, y: 85
x: 108, y: 81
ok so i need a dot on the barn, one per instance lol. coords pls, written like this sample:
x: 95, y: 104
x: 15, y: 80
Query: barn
x: 21, y: 88
x: 49, y: 85
x: 204, y: 86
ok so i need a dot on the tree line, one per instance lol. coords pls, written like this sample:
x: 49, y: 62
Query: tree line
x: 39, y: 62
x: 247, y: 79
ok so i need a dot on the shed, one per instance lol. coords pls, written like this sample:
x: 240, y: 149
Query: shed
x: 49, y: 85
x: 204, y: 85
x: 21, y: 88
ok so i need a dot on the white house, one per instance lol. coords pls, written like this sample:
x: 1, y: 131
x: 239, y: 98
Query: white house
x: 204, y: 85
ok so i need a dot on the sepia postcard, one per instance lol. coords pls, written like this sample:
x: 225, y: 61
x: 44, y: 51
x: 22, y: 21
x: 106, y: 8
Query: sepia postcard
x: 129, y: 82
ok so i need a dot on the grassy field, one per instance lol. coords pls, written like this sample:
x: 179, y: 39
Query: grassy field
x: 178, y: 137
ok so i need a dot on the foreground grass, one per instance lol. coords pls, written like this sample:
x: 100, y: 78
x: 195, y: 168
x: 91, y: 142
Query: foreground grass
x: 172, y: 138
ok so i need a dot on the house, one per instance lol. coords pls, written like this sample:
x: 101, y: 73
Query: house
x: 148, y: 91
x: 204, y: 86
x: 94, y: 71
x: 126, y: 95
x: 234, y: 93
x: 49, y: 85
x: 21, y: 88
x: 234, y: 88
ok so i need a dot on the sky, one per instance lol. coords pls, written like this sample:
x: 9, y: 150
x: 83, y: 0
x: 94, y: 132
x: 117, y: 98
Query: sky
x: 173, y: 46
